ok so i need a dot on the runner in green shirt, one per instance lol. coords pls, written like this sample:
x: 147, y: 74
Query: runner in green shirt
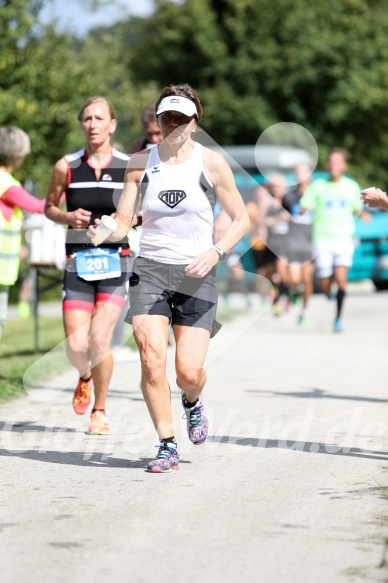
x: 334, y: 203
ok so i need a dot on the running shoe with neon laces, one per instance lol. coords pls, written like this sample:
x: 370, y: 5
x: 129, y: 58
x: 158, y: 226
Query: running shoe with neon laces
x: 99, y: 424
x: 82, y: 396
x: 338, y: 325
x: 197, y: 421
x: 166, y: 460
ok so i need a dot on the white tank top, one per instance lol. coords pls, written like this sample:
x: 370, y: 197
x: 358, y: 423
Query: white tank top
x: 178, y: 209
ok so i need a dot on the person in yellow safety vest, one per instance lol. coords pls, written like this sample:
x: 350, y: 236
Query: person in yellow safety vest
x: 14, y: 147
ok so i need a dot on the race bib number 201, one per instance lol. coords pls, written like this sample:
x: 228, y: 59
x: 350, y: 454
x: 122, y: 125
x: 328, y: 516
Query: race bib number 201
x: 98, y: 263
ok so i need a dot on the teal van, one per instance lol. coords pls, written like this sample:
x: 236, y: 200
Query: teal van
x: 370, y: 259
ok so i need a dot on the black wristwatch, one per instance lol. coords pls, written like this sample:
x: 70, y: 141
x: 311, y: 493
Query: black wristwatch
x: 222, y: 255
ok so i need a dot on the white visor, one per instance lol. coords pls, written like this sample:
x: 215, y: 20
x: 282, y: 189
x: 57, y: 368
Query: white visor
x: 178, y: 103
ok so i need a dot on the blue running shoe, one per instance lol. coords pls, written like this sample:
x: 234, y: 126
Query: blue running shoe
x: 197, y: 421
x: 166, y: 460
x: 338, y: 325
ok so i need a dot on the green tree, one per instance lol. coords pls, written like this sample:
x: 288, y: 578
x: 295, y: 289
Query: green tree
x: 255, y: 63
x: 17, y: 20
x: 103, y: 50
x: 45, y: 76
x: 36, y: 94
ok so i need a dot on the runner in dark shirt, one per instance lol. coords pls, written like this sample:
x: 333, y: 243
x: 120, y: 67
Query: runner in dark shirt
x: 95, y: 279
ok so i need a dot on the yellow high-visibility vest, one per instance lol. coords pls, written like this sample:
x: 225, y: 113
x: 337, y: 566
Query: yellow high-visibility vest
x: 10, y: 235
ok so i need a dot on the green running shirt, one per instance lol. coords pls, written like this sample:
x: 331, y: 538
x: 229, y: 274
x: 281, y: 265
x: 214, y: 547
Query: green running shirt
x: 333, y: 205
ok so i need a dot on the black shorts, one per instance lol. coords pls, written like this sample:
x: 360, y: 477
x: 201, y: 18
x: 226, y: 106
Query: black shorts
x: 165, y: 290
x: 79, y: 294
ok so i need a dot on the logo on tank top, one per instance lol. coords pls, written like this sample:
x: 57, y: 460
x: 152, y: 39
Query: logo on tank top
x: 172, y: 197
x: 156, y: 169
x: 106, y: 177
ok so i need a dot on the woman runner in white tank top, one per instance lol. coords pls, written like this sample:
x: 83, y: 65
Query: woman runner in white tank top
x: 174, y: 275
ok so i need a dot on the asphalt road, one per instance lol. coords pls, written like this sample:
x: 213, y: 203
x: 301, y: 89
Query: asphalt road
x: 288, y: 487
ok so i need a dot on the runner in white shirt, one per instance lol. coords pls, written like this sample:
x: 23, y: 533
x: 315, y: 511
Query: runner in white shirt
x: 174, y: 275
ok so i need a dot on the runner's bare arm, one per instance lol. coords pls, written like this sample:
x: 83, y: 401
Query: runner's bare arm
x: 78, y: 219
x: 229, y: 198
x: 126, y: 210
x: 129, y: 200
x: 375, y: 198
x: 221, y: 225
x: 232, y: 203
x: 125, y: 215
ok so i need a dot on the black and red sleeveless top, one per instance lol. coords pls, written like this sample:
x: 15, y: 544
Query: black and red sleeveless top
x: 98, y: 196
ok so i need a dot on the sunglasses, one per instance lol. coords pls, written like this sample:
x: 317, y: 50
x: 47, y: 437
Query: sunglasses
x: 175, y: 116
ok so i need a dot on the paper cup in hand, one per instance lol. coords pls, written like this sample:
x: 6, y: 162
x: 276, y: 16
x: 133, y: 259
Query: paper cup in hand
x: 104, y: 229
x: 370, y: 189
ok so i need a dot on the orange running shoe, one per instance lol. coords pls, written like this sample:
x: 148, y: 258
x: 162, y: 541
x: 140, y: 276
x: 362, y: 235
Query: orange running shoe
x: 99, y: 424
x: 82, y: 396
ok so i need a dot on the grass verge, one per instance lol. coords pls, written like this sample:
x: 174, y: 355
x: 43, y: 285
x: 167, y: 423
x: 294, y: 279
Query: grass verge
x: 18, y: 358
x: 17, y: 354
x: 225, y: 314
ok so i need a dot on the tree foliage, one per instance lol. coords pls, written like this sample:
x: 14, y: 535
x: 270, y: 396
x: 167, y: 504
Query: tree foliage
x: 319, y: 64
x: 323, y: 65
x: 45, y: 76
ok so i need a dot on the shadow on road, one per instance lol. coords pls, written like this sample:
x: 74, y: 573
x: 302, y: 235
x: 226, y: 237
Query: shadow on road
x: 300, y: 446
x: 317, y: 394
x: 80, y: 458
x: 116, y: 393
x: 29, y: 426
x: 77, y: 458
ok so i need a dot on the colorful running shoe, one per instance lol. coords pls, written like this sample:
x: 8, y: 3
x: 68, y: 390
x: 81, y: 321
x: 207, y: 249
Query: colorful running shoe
x: 82, y: 396
x: 99, y: 424
x: 197, y: 421
x: 166, y: 460
x: 337, y: 325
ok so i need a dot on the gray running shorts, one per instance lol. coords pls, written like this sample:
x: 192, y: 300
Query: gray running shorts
x: 165, y: 290
x: 302, y: 256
